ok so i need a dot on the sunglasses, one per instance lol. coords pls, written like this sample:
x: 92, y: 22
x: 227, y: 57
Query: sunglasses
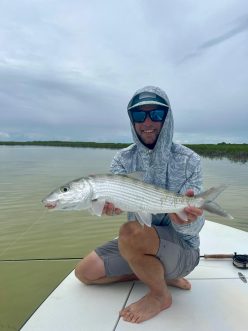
x: 156, y: 115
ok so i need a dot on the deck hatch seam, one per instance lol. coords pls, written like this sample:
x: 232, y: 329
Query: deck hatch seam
x: 124, y: 304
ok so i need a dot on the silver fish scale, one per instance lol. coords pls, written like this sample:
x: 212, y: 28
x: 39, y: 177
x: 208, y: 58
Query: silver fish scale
x: 134, y: 195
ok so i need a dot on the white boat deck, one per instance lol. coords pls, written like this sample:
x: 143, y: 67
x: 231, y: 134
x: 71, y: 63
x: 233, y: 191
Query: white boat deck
x: 218, y: 300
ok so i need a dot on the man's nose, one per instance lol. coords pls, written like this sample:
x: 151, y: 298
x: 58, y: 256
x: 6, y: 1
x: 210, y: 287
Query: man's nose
x: 148, y: 120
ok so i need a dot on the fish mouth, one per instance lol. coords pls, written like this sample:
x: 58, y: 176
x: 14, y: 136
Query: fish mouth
x: 50, y: 205
x: 58, y: 205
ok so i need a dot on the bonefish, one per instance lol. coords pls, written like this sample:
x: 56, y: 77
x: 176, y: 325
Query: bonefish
x: 129, y: 194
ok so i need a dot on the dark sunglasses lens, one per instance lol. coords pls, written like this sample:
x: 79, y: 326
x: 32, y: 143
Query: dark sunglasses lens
x: 138, y: 116
x: 157, y: 115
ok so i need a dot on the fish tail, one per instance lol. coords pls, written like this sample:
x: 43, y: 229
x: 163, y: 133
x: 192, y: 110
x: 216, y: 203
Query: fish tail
x: 209, y: 205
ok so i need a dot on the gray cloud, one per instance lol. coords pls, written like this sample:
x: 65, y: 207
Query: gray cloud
x: 34, y: 103
x: 240, y: 25
x: 67, y: 70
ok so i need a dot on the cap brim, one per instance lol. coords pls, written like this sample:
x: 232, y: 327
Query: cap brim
x: 148, y: 103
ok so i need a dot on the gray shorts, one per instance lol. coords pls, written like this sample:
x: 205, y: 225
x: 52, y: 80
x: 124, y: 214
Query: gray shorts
x: 177, y: 257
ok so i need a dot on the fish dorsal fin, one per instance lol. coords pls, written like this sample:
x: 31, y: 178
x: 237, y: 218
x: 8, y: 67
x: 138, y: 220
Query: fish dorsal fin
x: 144, y: 218
x: 97, y: 206
x: 139, y: 175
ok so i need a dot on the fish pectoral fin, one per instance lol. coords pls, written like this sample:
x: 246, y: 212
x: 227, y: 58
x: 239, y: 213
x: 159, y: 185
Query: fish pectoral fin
x: 182, y: 215
x: 97, y: 207
x: 144, y: 218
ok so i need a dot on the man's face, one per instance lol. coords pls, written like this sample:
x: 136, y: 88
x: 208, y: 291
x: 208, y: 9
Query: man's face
x: 148, y: 131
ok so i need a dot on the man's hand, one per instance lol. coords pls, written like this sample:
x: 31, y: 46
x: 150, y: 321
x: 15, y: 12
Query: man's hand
x: 110, y: 210
x: 192, y: 212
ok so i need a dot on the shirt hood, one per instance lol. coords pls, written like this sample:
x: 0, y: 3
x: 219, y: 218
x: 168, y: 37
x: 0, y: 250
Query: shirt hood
x: 155, y: 160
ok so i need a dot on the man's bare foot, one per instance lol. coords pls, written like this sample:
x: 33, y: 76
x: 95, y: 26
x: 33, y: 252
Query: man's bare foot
x: 146, y: 308
x: 179, y: 282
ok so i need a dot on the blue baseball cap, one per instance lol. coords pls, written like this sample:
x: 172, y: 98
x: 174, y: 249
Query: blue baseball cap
x: 147, y: 98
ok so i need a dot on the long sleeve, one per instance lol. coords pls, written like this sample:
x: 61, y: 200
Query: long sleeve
x: 193, y: 181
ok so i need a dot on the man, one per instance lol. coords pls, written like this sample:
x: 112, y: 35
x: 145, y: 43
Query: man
x: 164, y: 253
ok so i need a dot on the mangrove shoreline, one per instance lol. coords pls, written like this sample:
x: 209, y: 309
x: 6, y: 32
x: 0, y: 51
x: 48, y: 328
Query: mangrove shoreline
x: 235, y: 152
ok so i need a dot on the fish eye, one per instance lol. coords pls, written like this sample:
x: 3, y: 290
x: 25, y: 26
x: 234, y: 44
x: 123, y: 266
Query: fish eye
x: 64, y: 189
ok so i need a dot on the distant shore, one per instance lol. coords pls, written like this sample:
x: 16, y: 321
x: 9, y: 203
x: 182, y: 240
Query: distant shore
x: 57, y: 143
x: 235, y: 152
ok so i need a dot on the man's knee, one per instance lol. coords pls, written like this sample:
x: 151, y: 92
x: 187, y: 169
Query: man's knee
x: 135, y: 238
x: 90, y: 269
x: 129, y: 232
x: 131, y: 240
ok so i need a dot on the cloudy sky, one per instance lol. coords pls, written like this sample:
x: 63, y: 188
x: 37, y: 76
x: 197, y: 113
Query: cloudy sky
x: 68, y: 68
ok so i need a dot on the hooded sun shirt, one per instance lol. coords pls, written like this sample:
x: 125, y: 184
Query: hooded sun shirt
x: 168, y: 165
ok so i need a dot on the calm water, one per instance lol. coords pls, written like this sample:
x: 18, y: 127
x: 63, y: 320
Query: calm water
x: 27, y: 174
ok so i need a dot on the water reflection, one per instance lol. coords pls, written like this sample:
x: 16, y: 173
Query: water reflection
x: 232, y: 158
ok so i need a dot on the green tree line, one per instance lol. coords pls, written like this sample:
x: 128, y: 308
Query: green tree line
x: 232, y: 151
